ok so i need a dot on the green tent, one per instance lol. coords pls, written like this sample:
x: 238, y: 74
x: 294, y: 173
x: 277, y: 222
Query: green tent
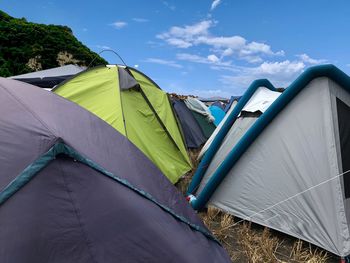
x: 136, y: 107
x: 207, y: 127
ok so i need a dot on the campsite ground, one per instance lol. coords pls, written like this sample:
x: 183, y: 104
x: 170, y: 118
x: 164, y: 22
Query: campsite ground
x: 250, y: 243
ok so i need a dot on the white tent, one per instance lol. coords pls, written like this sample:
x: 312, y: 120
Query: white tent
x: 287, y: 171
x: 258, y: 103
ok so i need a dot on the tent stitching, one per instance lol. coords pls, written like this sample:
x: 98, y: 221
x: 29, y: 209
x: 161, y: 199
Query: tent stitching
x: 77, y: 213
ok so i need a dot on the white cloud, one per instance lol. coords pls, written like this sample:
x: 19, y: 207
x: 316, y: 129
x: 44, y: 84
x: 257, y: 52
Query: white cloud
x: 170, y: 6
x: 169, y: 63
x: 280, y: 74
x: 188, y: 33
x: 140, y: 20
x: 224, y: 46
x: 103, y: 47
x: 211, y: 59
x: 215, y: 4
x: 305, y: 58
x: 119, y: 24
x: 179, y: 43
x: 85, y: 29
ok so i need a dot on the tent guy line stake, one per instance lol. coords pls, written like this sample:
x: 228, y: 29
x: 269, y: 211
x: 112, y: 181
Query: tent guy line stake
x: 287, y: 199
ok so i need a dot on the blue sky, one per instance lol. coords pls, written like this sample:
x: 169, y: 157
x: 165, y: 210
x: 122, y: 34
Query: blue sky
x: 206, y: 47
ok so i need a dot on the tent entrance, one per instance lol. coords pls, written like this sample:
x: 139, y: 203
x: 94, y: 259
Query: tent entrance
x: 343, y: 111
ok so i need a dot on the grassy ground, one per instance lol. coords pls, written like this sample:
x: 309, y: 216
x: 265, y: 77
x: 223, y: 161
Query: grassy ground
x: 251, y: 243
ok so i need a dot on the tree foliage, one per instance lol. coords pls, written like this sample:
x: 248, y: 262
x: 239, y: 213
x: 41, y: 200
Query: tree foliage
x: 26, y: 47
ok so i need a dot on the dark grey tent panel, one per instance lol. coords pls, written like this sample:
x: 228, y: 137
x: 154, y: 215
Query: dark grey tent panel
x: 49, y: 78
x: 126, y: 81
x: 98, y: 200
x: 193, y: 134
x: 343, y: 111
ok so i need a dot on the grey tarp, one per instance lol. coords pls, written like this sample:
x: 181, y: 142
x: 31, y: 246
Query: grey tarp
x: 288, y: 178
x: 73, y: 212
x: 49, y: 78
x: 192, y: 132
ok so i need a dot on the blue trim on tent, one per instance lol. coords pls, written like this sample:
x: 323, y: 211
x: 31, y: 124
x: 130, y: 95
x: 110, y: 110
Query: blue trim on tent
x: 329, y: 71
x: 214, y: 146
x: 232, y: 99
x: 60, y: 148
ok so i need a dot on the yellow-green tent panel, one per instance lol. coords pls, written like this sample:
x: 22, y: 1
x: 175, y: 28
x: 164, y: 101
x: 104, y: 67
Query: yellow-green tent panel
x: 142, y: 113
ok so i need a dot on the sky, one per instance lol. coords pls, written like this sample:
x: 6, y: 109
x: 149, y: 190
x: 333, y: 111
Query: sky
x: 205, y: 47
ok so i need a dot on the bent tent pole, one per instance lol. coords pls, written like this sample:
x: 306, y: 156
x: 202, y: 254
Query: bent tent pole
x: 208, y: 156
x: 277, y: 106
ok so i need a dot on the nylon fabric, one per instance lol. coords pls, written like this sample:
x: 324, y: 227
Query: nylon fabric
x: 99, y: 95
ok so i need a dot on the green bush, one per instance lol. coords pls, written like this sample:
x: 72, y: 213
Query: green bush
x: 21, y: 41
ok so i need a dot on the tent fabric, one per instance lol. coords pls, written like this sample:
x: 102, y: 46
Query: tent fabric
x: 216, y: 131
x: 218, y: 104
x: 217, y: 113
x: 49, y: 78
x: 207, y: 127
x: 261, y: 100
x: 343, y: 113
x: 140, y: 112
x: 70, y: 211
x: 193, y: 134
x: 199, y: 107
x: 126, y: 81
x: 285, y: 170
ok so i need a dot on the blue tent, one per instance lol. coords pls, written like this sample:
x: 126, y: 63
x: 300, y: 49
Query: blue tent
x: 218, y: 114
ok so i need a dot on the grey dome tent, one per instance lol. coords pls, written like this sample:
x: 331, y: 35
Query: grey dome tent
x: 291, y: 170
x: 191, y: 130
x: 48, y: 78
x: 73, y: 189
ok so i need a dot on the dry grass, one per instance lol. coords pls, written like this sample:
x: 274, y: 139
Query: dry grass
x: 247, y: 242
x: 258, y: 247
x: 302, y: 253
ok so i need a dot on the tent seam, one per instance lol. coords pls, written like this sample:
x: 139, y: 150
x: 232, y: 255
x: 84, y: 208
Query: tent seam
x: 29, y: 110
x: 162, y: 124
x: 77, y: 213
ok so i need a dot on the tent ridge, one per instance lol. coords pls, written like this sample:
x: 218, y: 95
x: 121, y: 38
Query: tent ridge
x: 61, y: 148
x: 160, y: 121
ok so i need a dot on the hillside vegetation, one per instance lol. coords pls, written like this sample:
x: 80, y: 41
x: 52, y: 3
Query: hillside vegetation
x: 27, y: 47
